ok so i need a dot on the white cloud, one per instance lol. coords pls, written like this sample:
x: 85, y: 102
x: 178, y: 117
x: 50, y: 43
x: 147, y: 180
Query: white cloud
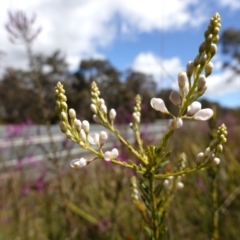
x: 164, y: 71
x: 232, y: 4
x: 79, y: 28
x: 222, y: 83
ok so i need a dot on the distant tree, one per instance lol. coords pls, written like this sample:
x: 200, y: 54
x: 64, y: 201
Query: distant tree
x: 18, y: 93
x: 117, y: 88
x: 230, y: 42
x: 144, y: 85
x: 17, y: 99
x: 108, y: 79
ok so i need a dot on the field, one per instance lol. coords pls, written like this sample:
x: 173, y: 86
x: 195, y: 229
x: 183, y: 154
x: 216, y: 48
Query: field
x: 49, y: 200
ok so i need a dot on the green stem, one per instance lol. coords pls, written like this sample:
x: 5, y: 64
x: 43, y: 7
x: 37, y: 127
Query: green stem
x: 215, y: 212
x: 154, y: 210
x: 126, y: 143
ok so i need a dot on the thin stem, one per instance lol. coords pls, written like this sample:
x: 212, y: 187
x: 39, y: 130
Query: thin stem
x: 128, y: 145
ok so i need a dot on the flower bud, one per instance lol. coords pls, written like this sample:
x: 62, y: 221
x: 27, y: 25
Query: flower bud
x: 220, y: 148
x: 175, y: 98
x: 180, y: 185
x: 77, y: 124
x: 197, y: 60
x: 215, y: 39
x: 184, y: 91
x: 63, y: 127
x: 190, y: 68
x: 216, y: 161
x: 201, y: 83
x: 175, y: 123
x: 102, y: 101
x: 200, y: 157
x: 83, y: 135
x: 103, y: 137
x: 96, y: 119
x: 72, y: 113
x: 182, y: 79
x: 194, y: 108
x: 216, y: 30
x: 203, y: 114
x: 159, y: 105
x: 103, y: 108
x: 62, y: 97
x: 213, y: 49
x: 68, y: 134
x: 93, y: 108
x: 63, y: 116
x: 203, y: 59
x: 112, y: 114
x: 78, y: 163
x: 207, y: 151
x: 136, y: 117
x: 208, y: 69
x: 166, y: 183
x: 85, y: 126
x: 64, y: 106
x: 202, y: 47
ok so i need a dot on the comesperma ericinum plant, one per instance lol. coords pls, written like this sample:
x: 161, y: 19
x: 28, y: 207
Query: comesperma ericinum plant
x: 152, y: 187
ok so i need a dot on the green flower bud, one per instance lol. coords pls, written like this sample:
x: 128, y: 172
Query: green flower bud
x: 72, y: 113
x: 208, y: 69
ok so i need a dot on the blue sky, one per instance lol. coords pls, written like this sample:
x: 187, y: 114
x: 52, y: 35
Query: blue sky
x: 153, y: 36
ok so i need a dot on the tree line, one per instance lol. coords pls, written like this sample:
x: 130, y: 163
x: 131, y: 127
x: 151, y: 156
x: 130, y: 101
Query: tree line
x: 19, y: 100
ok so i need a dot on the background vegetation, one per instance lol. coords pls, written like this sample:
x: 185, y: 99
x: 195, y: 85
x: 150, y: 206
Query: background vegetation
x: 48, y: 200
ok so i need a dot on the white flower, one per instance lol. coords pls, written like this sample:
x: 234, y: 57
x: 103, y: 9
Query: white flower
x: 203, y: 115
x: 194, y: 108
x: 78, y: 163
x: 98, y: 139
x: 159, y: 105
x: 109, y: 155
x: 175, y: 123
x: 94, y: 140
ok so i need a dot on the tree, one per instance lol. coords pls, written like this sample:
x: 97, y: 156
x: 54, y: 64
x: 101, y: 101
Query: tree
x: 18, y: 93
x: 230, y: 42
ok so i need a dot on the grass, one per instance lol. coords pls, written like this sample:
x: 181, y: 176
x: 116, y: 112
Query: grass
x: 56, y: 202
